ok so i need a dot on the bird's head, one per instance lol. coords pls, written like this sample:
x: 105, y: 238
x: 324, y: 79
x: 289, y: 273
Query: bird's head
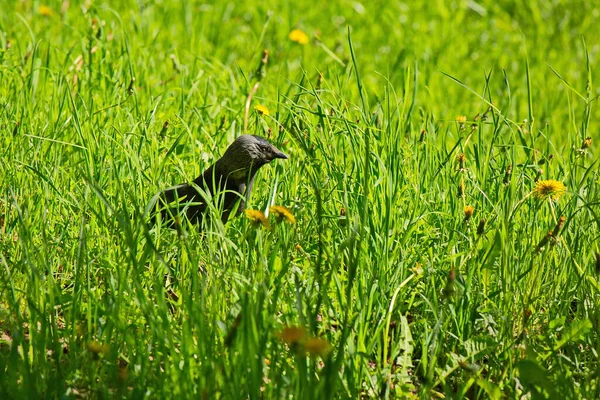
x: 247, y: 154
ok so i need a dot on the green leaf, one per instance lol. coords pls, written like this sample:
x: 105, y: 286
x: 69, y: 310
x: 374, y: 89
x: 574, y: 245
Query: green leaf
x: 575, y: 331
x: 491, y: 389
x: 532, y: 374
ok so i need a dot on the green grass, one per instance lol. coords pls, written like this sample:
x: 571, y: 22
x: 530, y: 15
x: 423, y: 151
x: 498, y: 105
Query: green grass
x: 102, y: 106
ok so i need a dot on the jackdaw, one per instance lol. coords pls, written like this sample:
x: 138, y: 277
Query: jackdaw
x: 231, y: 177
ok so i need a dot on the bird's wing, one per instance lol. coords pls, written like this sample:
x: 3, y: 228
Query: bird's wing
x: 151, y: 207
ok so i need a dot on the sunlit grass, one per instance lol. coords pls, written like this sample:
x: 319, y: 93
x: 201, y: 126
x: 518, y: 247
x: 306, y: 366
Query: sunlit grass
x: 433, y: 233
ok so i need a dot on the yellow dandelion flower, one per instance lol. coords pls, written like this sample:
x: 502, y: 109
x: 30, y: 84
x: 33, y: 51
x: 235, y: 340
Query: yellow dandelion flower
x: 45, y: 11
x: 257, y: 218
x: 549, y: 189
x: 317, y: 347
x: 298, y: 36
x: 262, y: 110
x: 461, y: 118
x: 283, y: 213
x: 292, y: 334
x: 469, y: 210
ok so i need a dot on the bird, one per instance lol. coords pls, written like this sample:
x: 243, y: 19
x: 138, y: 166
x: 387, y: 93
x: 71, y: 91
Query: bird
x: 231, y: 177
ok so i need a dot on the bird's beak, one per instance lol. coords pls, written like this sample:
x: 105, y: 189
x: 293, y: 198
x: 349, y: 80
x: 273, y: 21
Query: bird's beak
x: 279, y: 154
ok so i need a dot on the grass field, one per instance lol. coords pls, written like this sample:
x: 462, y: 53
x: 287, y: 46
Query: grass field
x: 435, y: 252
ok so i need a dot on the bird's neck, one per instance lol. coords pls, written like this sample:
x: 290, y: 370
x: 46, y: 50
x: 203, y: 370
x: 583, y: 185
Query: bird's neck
x: 239, y: 175
x: 219, y: 177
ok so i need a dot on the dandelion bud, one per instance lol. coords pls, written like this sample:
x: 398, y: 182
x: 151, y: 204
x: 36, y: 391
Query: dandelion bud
x: 544, y: 242
x: 527, y: 315
x: 552, y: 236
x: 484, y: 117
x: 452, y: 275
x: 507, y: 175
x: 450, y: 289
x: 265, y: 57
x: 260, y: 70
x: 461, y: 161
x: 130, y: 88
x: 342, y: 220
x: 320, y: 80
x: 163, y: 131
x: 233, y: 331
x: 559, y: 225
x: 461, y: 189
x: 481, y: 227
x: 222, y: 123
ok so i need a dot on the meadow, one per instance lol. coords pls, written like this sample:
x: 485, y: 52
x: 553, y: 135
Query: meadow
x: 443, y: 187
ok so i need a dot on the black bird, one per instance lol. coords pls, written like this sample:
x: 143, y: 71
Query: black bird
x: 231, y: 177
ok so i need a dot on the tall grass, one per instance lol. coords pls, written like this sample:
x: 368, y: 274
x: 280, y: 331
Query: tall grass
x: 397, y: 118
